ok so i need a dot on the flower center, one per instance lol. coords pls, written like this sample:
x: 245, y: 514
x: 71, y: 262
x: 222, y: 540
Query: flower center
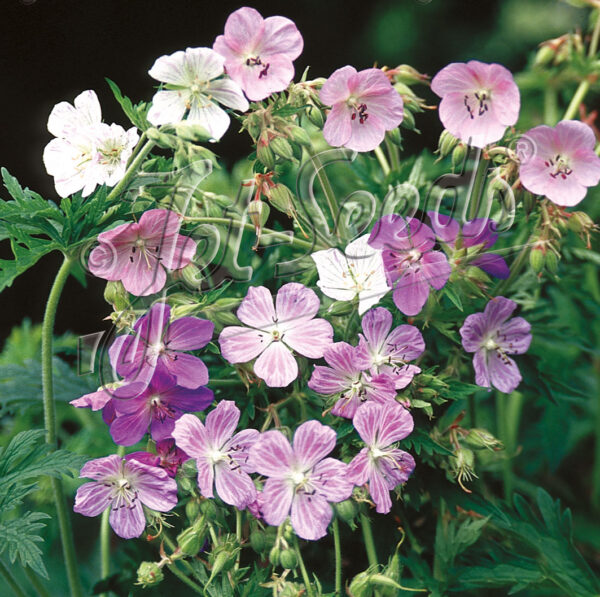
x: 359, y: 110
x: 256, y: 61
x: 490, y: 344
x: 122, y: 495
x: 477, y: 103
x: 377, y: 453
x: 215, y: 456
x: 298, y: 477
x: 276, y: 335
x: 414, y: 255
x: 559, y: 166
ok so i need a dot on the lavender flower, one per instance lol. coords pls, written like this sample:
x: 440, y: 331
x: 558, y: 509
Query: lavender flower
x: 221, y: 457
x: 380, y: 463
x: 101, y: 399
x: 389, y: 351
x: 168, y: 457
x: 275, y: 331
x: 156, y: 345
x: 410, y: 263
x: 123, y: 486
x: 346, y: 377
x: 301, y: 480
x: 158, y: 406
x: 491, y: 335
x: 480, y: 232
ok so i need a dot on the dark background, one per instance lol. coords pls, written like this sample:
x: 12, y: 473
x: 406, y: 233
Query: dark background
x: 51, y: 50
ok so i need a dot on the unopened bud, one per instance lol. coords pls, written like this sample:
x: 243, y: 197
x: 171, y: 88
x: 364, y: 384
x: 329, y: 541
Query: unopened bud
x: 282, y: 148
x: 188, y: 130
x: 481, y: 438
x: 161, y: 139
x: 265, y: 155
x: 274, y: 555
x: 223, y: 557
x: 537, y: 259
x: 149, y: 574
x: 189, y: 468
x: 315, y: 116
x: 544, y: 55
x: 408, y: 122
x: 258, y: 212
x: 395, y: 136
x: 187, y: 484
x: 551, y: 262
x: 288, y: 559
x: 405, y: 73
x: 458, y: 155
x: 190, y: 274
x: 258, y: 541
x: 446, y: 143
x: 340, y: 308
x: 580, y: 222
x: 192, y: 509
x: 299, y: 135
x: 208, y: 508
x: 346, y: 510
x: 116, y: 295
x: 190, y: 541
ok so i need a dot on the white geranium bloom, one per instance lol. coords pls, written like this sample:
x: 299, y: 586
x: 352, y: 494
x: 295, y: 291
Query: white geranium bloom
x: 86, y: 152
x: 357, y: 271
x: 194, y: 83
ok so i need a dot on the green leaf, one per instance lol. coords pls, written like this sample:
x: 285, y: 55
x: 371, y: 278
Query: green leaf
x: 136, y: 113
x: 453, y: 296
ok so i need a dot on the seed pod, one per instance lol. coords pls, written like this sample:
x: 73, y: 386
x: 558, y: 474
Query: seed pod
x: 265, y: 155
x: 299, y: 135
x: 116, y: 295
x: 346, y: 510
x: 288, y: 559
x: 189, y: 468
x: 482, y: 438
x: 149, y: 574
x: 162, y: 139
x: 192, y: 509
x: 408, y: 122
x: 551, y: 262
x: 274, y: 556
x: 189, y: 130
x: 282, y: 148
x: 282, y: 199
x: 258, y: 541
x: 395, y: 136
x: 190, y: 541
x: 544, y: 55
x: 208, y: 508
x: 187, y: 484
x: 537, y: 259
x: 458, y: 155
x: 288, y: 533
x: 341, y: 308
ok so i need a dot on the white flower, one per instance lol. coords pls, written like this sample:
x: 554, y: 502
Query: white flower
x: 357, y: 272
x: 86, y: 152
x: 194, y: 83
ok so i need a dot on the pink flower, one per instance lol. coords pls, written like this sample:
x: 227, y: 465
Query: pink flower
x: 561, y: 162
x: 380, y: 463
x: 221, y: 457
x: 364, y: 105
x: 274, y: 332
x: 479, y: 101
x: 301, y: 480
x: 168, y: 457
x: 259, y: 53
x: 138, y: 253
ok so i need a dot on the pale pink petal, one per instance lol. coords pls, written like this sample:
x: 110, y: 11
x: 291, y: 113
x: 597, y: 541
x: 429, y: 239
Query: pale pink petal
x: 276, y: 365
x: 240, y: 345
x: 243, y: 29
x: 337, y: 87
x: 221, y: 423
x: 310, y: 338
x: 92, y: 499
x: 271, y: 455
x: 229, y: 93
x: 311, y: 515
x: 128, y: 521
x: 168, y: 106
x: 328, y: 381
x: 257, y: 308
x: 405, y: 343
x: 206, y: 476
x: 379, y: 492
x: 100, y: 468
x: 190, y: 436
x: 376, y: 325
x: 359, y: 468
x: 234, y: 487
x: 330, y: 478
x: 295, y: 304
x: 177, y: 251
x: 394, y: 423
x: 338, y: 126
x: 276, y: 500
x: 454, y: 78
x: 367, y: 135
x: 154, y: 486
x: 386, y: 106
x: 281, y: 36
x: 312, y: 442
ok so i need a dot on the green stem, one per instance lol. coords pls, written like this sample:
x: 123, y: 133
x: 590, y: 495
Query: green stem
x: 185, y: 579
x: 367, y: 532
x: 515, y: 269
x: 595, y: 37
x: 36, y: 583
x: 477, y: 189
x: 105, y: 547
x: 503, y: 435
x: 305, y: 577
x: 579, y: 96
x: 11, y: 582
x: 394, y: 155
x: 238, y: 536
x: 130, y: 172
x: 64, y: 522
x: 294, y: 242
x: 325, y: 184
x: 338, y: 557
x: 171, y: 545
x: 550, y: 105
x: 596, y: 472
x: 385, y: 167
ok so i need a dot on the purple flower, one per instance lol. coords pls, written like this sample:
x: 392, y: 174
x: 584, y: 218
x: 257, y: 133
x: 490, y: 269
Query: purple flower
x: 478, y: 232
x: 259, y: 53
x: 138, y: 253
x: 388, y: 351
x: 491, y: 335
x: 478, y: 101
x: 301, y: 479
x: 410, y: 263
x: 123, y: 486
x: 157, y: 406
x: 380, y: 463
x: 561, y: 162
x: 168, y: 456
x: 364, y: 105
x: 99, y: 400
x: 347, y: 378
x: 156, y: 345
x: 275, y: 331
x: 221, y: 457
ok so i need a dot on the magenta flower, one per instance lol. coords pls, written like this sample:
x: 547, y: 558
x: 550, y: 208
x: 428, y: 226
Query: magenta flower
x: 157, y: 345
x: 364, y: 105
x: 346, y: 377
x: 138, y: 253
x: 99, y: 400
x: 123, y: 486
x: 478, y: 101
x: 410, y: 263
x: 560, y: 162
x: 388, y: 351
x: 157, y: 406
x: 259, y: 53
x: 221, y: 457
x: 380, y: 463
x: 168, y: 457
x: 274, y: 332
x: 301, y: 479
x: 491, y: 335
x: 478, y: 232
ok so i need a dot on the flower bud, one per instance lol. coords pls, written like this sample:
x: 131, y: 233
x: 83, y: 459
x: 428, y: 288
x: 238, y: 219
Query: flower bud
x: 360, y: 585
x: 258, y: 541
x: 282, y: 199
x: 223, y: 557
x: 190, y: 541
x: 274, y: 555
x: 580, y: 222
x: 258, y: 212
x: 544, y: 55
x: 282, y: 148
x: 116, y: 295
x: 149, y: 574
x: 208, y: 508
x: 162, y: 139
x: 192, y: 509
x: 346, y: 510
x: 188, y: 130
x: 189, y: 468
x: 405, y: 73
x: 265, y: 155
x: 395, y: 136
x: 315, y: 116
x: 551, y: 262
x: 299, y: 135
x: 537, y: 259
x: 191, y: 276
x: 408, y: 122
x: 458, y: 155
x: 187, y: 485
x: 340, y: 308
x: 481, y: 438
x: 446, y: 143
x: 288, y: 559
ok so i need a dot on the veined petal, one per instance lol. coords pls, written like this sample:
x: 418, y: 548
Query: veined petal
x: 411, y: 292
x: 189, y: 333
x: 295, y: 304
x: 330, y: 479
x: 221, y: 423
x: 190, y: 436
x: 128, y: 522
x: 276, y: 500
x: 276, y: 365
x: 229, y: 93
x: 271, y: 455
x: 359, y: 468
x: 168, y: 107
x: 504, y: 373
x: 92, y: 499
x: 208, y: 115
x: 312, y: 442
x: 257, y: 309
x: 311, y: 515
x: 514, y: 336
x: 310, y: 337
x: 240, y: 344
x: 234, y: 487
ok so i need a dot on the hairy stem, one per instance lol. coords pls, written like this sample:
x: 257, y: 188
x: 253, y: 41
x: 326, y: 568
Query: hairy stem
x: 338, y: 557
x: 185, y: 579
x: 64, y: 522
x: 326, y: 185
x: 385, y: 167
x: 11, y: 582
x: 550, y: 105
x: 477, y: 189
x: 305, y: 577
x: 238, y: 536
x: 367, y: 532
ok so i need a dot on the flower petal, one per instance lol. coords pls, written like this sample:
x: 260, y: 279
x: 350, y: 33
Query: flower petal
x: 276, y: 500
x: 257, y: 309
x: 240, y: 345
x: 221, y: 423
x: 276, y: 365
x: 312, y: 442
x: 234, y: 487
x: 189, y: 333
x: 128, y: 521
x: 311, y: 515
x: 330, y: 478
x: 271, y: 455
x: 92, y: 499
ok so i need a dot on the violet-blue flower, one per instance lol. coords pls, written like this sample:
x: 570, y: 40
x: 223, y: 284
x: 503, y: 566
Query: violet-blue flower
x: 301, y: 480
x: 492, y: 336
x: 123, y: 486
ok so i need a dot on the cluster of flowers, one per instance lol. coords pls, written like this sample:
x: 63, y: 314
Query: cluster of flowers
x: 161, y: 383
